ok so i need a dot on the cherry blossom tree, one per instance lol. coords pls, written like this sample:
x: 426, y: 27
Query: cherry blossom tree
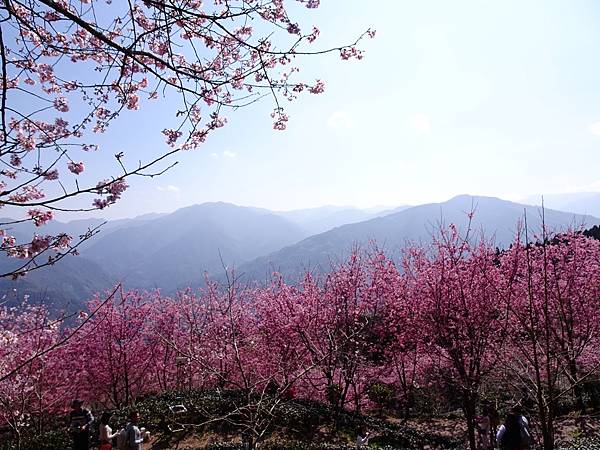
x: 72, y: 67
x: 462, y: 315
x: 336, y: 322
x: 573, y: 272
x: 235, y: 338
x: 16, y: 394
x: 404, y: 354
x: 554, y: 320
x: 34, y: 381
x: 113, y: 356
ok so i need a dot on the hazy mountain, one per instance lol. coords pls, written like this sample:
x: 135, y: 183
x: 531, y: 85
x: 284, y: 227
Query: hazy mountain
x: 493, y: 216
x: 175, y: 250
x: 65, y: 285
x: 24, y: 231
x: 324, y: 218
x: 68, y: 283
x: 579, y: 202
x: 388, y: 211
x: 122, y: 223
x: 167, y: 251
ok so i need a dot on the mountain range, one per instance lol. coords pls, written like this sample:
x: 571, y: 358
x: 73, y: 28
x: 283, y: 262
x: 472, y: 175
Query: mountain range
x: 177, y: 250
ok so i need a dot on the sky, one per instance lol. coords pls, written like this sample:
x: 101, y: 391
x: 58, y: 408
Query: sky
x: 485, y: 98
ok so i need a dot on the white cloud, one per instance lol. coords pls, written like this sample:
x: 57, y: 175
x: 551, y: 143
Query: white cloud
x: 340, y: 120
x: 421, y: 123
x: 224, y: 154
x: 169, y: 188
x: 595, y: 128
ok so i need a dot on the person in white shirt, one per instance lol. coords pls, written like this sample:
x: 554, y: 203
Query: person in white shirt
x: 527, y: 439
x: 484, y: 428
x: 106, y: 435
x: 362, y: 441
x: 509, y: 434
x: 135, y: 436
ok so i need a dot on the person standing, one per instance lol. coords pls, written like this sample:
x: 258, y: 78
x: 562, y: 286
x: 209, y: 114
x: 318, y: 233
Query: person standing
x: 526, y: 438
x: 484, y: 426
x: 509, y: 433
x: 362, y: 439
x: 105, y: 432
x: 135, y: 436
x: 494, y: 423
x: 80, y: 420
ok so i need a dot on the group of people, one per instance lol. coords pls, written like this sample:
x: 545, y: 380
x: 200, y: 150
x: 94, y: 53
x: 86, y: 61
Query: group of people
x: 513, y: 434
x: 131, y: 437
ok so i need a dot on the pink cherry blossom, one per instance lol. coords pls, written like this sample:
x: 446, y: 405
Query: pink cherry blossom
x: 76, y: 167
x: 40, y: 217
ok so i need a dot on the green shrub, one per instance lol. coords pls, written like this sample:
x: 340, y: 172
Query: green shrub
x: 382, y: 394
x: 296, y: 420
x: 334, y: 394
x: 585, y: 443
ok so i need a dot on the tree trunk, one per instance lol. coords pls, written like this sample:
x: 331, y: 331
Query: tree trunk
x: 577, y: 391
x: 469, y: 404
x: 546, y: 412
x: 406, y: 410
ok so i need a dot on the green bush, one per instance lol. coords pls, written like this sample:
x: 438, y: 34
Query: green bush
x: 289, y: 445
x: 50, y: 440
x: 382, y: 394
x: 586, y: 443
x: 334, y: 394
x: 296, y: 420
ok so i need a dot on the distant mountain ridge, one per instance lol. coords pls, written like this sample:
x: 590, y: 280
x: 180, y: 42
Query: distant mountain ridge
x: 495, y: 217
x: 64, y: 286
x: 174, y: 251
x: 324, y: 218
x: 579, y: 202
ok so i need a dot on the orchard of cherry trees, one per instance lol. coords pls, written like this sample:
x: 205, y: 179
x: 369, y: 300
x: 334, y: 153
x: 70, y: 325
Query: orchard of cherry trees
x: 460, y: 316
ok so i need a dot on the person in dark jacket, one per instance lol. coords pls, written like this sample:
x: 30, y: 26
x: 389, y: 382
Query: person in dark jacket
x: 509, y: 433
x: 80, y: 420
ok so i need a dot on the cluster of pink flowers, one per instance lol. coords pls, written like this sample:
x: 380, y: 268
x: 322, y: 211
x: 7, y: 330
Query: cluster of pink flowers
x: 40, y: 217
x: 26, y: 194
x: 172, y: 136
x: 38, y: 245
x: 317, y: 88
x: 351, y: 53
x: 51, y: 174
x: 76, y: 167
x: 312, y: 37
x: 281, y: 120
x: 60, y: 103
x: 293, y: 28
x: 112, y: 190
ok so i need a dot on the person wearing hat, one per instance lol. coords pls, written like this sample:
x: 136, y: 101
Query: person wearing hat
x: 80, y: 420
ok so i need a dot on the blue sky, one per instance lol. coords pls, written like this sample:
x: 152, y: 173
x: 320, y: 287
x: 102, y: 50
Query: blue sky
x: 486, y: 98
